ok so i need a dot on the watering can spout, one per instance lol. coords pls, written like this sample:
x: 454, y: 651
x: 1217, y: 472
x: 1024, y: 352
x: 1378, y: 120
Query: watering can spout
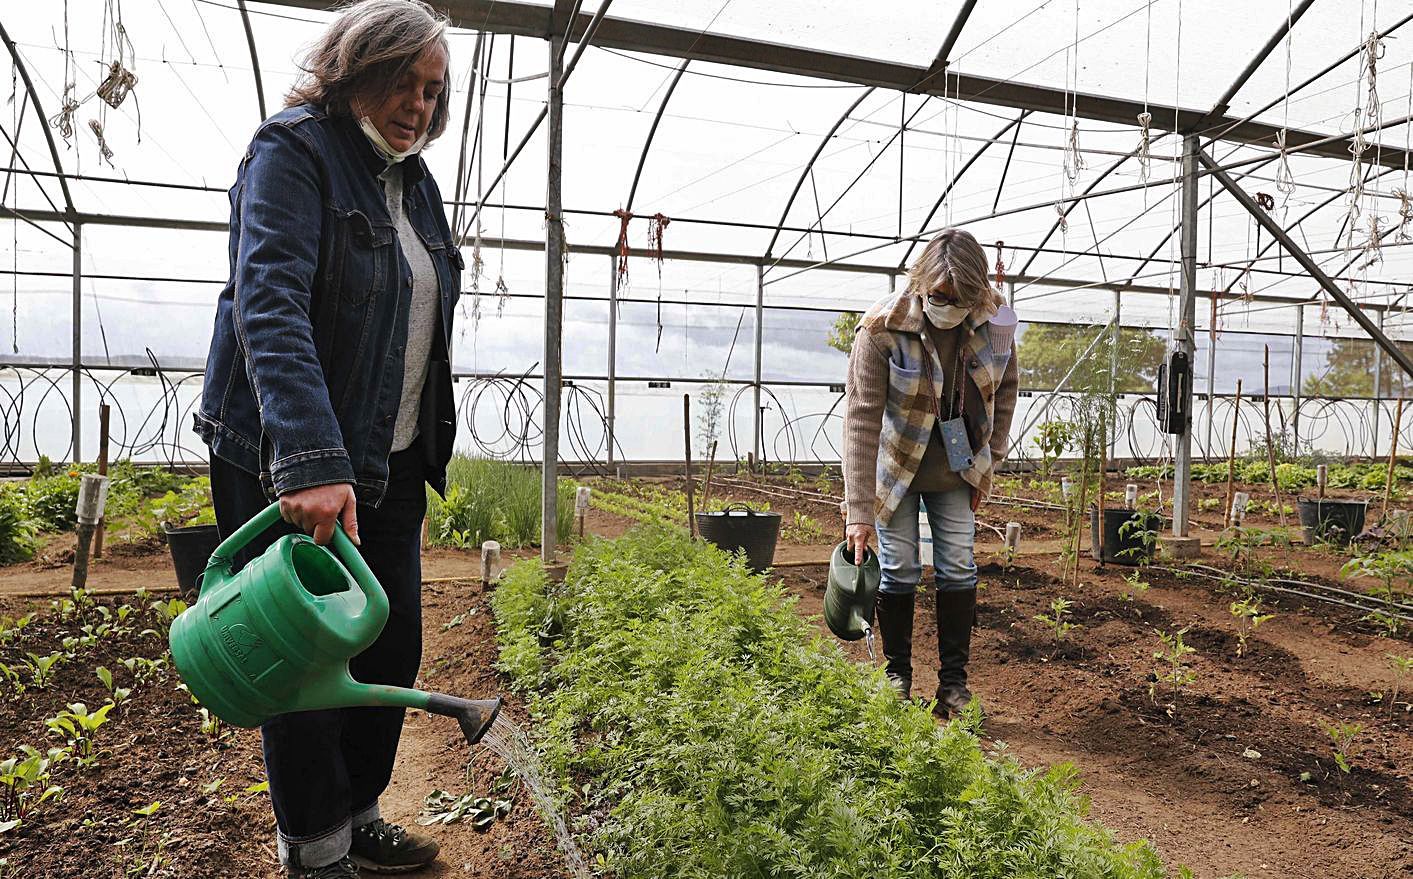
x: 476, y: 716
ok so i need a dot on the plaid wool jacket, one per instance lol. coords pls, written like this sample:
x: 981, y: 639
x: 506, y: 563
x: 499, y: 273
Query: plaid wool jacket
x: 889, y: 414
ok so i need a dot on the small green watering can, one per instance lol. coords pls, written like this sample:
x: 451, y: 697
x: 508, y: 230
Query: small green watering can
x: 849, y: 596
x: 277, y: 636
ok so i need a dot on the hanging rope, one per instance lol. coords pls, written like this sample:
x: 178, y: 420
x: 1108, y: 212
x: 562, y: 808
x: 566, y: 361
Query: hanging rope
x: 68, y: 103
x: 1074, y: 159
x: 1285, y: 180
x: 1367, y: 113
x: 104, y: 152
x: 1145, y: 158
x: 1000, y: 267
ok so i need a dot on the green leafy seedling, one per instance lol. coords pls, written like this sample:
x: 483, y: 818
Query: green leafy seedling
x: 1175, y: 670
x: 1057, y: 619
x: 1248, y: 614
x: 42, y: 667
x: 1342, y: 736
x: 78, y: 726
x: 119, y: 695
x: 1401, y: 666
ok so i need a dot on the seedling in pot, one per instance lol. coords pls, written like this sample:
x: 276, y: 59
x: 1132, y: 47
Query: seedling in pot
x: 1057, y: 619
x: 1175, y: 672
x: 1248, y: 614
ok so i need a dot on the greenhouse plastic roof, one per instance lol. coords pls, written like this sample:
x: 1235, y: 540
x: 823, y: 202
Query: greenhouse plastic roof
x: 809, y: 174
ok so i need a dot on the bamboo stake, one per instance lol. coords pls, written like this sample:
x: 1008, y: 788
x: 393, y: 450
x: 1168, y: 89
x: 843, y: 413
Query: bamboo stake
x: 1392, y: 454
x: 1270, y: 445
x: 706, y: 486
x: 1231, y: 457
x: 687, y: 463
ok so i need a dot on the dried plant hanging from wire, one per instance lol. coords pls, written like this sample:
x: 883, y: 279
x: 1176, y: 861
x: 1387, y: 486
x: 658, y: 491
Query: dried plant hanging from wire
x: 621, y: 250
x: 1000, y: 267
x: 1367, y: 115
x: 656, y: 228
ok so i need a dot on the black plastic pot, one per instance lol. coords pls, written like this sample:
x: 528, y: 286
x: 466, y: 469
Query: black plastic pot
x: 191, y: 549
x: 1333, y: 521
x: 741, y: 529
x: 1123, y: 546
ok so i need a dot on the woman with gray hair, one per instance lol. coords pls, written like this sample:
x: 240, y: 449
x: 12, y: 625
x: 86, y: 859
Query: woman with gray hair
x: 328, y: 386
x: 930, y: 394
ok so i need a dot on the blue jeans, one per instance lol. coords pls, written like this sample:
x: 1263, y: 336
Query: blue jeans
x: 953, y: 537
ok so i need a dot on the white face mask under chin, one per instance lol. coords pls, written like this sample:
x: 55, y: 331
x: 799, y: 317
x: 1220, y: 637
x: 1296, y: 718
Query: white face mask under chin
x: 390, y: 155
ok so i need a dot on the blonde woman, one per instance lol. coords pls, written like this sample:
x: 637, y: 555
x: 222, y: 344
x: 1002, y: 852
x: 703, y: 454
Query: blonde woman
x: 931, y: 391
x: 328, y: 386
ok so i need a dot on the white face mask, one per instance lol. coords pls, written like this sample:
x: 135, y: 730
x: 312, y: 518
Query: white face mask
x: 943, y: 317
x: 390, y: 155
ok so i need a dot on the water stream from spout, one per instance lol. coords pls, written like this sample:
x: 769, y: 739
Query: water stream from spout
x: 506, y: 740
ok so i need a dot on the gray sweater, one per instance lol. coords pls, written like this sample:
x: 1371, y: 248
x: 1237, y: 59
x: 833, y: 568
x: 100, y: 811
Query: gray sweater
x: 421, y: 320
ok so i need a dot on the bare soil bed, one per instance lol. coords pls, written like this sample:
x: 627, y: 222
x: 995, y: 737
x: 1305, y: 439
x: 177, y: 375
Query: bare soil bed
x: 1219, y: 782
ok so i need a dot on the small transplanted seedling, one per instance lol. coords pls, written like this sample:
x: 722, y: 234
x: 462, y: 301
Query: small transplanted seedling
x: 25, y: 783
x: 42, y: 667
x: 1058, y: 618
x: 1401, y: 666
x: 1136, y: 585
x: 1392, y: 569
x: 144, y: 669
x: 210, y: 724
x: 119, y: 695
x: 1248, y: 614
x: 78, y: 725
x: 1342, y: 736
x: 1174, y: 671
x: 151, y: 853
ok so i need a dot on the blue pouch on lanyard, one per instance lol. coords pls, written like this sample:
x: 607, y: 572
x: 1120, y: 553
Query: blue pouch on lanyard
x: 957, y: 444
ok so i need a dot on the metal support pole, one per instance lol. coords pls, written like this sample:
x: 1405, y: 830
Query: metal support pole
x: 77, y: 364
x: 612, y: 354
x: 1113, y: 376
x: 759, y: 421
x: 554, y: 303
x: 1187, y: 319
x: 1378, y: 386
x: 1295, y: 371
x: 1211, y: 379
x: 1397, y: 354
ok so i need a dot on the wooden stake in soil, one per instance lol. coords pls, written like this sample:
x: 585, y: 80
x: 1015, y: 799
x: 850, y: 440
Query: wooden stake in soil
x: 687, y: 463
x: 706, y: 486
x: 1103, y: 449
x: 1322, y: 480
x: 1392, y: 454
x: 490, y: 557
x: 1270, y: 445
x: 93, y: 491
x: 102, y: 471
x: 1231, y: 457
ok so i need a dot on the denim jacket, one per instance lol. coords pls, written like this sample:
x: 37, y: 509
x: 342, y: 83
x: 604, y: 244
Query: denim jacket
x: 305, y: 369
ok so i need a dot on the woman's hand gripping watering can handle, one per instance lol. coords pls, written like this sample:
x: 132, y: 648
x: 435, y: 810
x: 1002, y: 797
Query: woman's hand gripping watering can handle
x: 317, y: 509
x: 858, y: 536
x: 222, y: 558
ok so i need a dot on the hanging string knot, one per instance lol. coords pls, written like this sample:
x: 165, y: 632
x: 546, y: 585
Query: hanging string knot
x: 1145, y: 140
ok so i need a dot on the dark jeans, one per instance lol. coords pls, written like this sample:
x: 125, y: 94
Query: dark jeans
x: 327, y: 768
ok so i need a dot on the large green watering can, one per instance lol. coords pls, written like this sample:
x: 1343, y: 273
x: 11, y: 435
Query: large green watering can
x: 277, y: 636
x: 849, y: 596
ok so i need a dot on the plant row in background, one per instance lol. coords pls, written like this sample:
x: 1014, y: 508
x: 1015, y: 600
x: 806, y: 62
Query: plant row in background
x: 1292, y: 476
x: 140, y: 501
x: 493, y: 500
x: 700, y: 728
